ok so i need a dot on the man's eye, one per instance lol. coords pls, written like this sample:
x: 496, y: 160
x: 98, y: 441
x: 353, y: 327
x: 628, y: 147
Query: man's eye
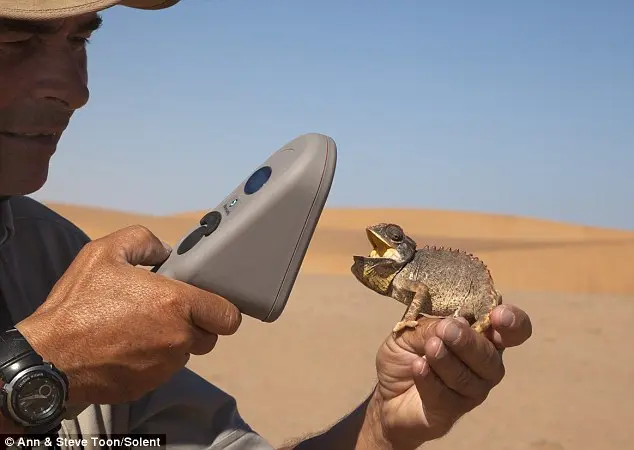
x: 15, y: 43
x: 80, y: 40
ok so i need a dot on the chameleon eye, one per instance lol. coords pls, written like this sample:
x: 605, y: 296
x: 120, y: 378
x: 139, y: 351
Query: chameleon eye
x: 395, y: 233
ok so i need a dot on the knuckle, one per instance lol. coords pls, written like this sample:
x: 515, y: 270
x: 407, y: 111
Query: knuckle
x: 463, y: 377
x: 489, y: 355
x: 94, y: 245
x: 180, y: 339
x: 140, y: 232
x: 490, y: 362
x: 95, y: 250
x: 172, y: 301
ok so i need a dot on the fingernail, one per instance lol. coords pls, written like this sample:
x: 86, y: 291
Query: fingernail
x: 441, y: 352
x: 424, y: 367
x: 451, y: 333
x: 507, y: 318
x: 167, y: 246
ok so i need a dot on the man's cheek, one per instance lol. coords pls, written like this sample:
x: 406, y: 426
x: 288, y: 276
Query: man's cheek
x: 12, y: 85
x: 83, y: 66
x: 7, y: 88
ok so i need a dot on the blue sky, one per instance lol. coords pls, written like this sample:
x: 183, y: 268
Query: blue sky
x: 506, y: 107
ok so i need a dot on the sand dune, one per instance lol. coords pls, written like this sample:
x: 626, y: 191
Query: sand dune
x: 523, y: 254
x: 456, y: 224
x: 564, y: 389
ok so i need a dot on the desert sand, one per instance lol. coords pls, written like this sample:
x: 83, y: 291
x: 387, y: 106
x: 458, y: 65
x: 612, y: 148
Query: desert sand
x: 566, y: 388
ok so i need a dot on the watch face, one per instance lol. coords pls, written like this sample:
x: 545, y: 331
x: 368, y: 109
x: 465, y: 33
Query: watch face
x: 39, y: 396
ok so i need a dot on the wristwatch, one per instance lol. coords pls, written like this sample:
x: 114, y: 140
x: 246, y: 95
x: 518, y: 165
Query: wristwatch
x: 35, y: 392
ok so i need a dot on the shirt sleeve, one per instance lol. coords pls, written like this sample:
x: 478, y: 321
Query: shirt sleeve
x: 193, y: 414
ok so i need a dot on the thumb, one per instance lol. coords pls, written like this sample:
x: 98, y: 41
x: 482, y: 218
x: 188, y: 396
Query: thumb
x: 137, y: 245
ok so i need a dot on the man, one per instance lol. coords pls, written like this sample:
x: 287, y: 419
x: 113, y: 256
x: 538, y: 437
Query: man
x: 119, y: 336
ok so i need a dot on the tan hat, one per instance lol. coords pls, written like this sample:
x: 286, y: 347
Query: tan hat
x: 58, y: 9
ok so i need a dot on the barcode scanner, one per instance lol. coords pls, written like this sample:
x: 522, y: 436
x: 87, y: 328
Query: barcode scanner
x: 249, y: 248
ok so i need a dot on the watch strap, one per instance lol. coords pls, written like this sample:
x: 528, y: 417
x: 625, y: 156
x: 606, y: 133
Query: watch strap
x: 15, y: 348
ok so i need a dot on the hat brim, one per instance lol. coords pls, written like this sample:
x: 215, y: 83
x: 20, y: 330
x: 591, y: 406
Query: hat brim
x: 59, y: 9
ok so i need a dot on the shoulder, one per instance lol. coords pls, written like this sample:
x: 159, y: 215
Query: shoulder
x: 29, y: 212
x: 42, y: 246
x: 41, y: 235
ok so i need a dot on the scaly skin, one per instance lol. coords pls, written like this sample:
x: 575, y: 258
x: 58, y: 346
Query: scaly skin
x: 431, y: 281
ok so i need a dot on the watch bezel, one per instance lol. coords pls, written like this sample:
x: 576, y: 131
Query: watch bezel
x: 13, y: 388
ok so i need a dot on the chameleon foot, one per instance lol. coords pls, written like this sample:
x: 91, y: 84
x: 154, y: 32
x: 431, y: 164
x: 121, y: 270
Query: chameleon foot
x: 481, y: 325
x: 483, y: 321
x: 404, y: 324
x: 414, y: 310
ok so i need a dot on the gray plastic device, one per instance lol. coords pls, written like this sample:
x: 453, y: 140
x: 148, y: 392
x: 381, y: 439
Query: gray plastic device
x: 249, y: 249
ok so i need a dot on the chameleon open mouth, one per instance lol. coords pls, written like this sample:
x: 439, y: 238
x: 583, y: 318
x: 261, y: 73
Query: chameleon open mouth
x: 380, y: 248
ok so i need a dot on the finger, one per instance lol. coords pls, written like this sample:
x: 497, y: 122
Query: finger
x: 454, y: 373
x: 203, y: 342
x: 475, y: 351
x: 413, y: 339
x: 213, y: 313
x: 510, y: 326
x: 135, y: 245
x: 436, y: 395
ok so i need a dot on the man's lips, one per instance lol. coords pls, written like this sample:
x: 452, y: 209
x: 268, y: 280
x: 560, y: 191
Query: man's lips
x: 42, y: 137
x: 32, y: 133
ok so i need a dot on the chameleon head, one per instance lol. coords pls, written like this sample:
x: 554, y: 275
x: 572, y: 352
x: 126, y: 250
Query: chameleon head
x: 392, y: 249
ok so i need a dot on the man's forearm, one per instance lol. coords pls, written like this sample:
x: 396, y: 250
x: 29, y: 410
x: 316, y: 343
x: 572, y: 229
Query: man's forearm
x: 360, y: 430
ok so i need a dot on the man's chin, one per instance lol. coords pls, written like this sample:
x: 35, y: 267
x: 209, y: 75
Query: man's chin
x: 34, y: 186
x: 22, y: 188
x: 23, y: 182
x: 23, y: 168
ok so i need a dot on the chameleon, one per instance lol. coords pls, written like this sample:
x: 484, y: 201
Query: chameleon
x: 431, y: 281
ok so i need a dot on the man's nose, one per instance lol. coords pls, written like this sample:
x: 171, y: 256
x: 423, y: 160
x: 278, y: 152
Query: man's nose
x: 61, y: 77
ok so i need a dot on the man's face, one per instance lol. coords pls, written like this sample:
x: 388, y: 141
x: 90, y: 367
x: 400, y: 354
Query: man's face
x: 43, y: 80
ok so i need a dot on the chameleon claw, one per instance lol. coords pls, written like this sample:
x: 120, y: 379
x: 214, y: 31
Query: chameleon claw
x: 403, y: 325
